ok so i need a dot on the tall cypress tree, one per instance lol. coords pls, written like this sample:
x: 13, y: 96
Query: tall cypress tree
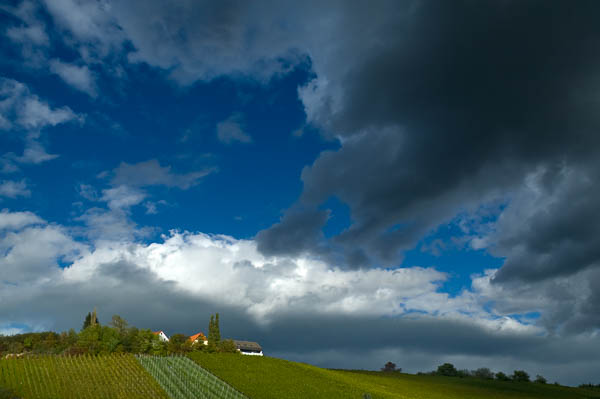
x: 211, y: 331
x: 87, y: 322
x: 217, y: 330
x: 94, y: 318
x: 214, y: 334
x: 90, y: 320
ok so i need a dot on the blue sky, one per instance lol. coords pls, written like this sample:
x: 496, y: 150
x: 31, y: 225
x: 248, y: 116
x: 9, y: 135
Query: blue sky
x: 152, y: 118
x: 418, y: 167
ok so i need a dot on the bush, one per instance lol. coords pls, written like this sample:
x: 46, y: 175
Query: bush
x: 520, y: 376
x: 540, y: 380
x: 447, y: 369
x: 227, y: 346
x: 500, y: 376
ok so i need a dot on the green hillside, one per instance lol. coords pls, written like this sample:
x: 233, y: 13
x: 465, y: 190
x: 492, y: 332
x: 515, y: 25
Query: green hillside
x: 181, y: 378
x: 124, y: 376
x: 271, y: 378
x: 78, y: 377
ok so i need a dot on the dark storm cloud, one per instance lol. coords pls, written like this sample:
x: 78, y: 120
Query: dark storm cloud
x: 297, y: 232
x: 368, y: 342
x: 456, y: 104
x: 554, y: 232
x: 426, y: 335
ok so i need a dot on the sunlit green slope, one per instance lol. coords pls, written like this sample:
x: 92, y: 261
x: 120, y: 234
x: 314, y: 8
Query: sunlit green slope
x: 271, y: 378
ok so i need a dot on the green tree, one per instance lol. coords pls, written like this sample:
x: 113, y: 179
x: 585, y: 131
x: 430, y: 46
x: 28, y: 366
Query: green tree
x: 110, y: 340
x: 464, y: 373
x: 389, y: 366
x: 214, y: 333
x: 228, y: 346
x: 520, y: 376
x: 90, y: 320
x: 94, y: 318
x: 176, y: 343
x: 88, y: 340
x: 87, y: 322
x: 217, y: 330
x: 447, y: 369
x: 500, y: 376
x: 540, y: 379
x: 119, y: 324
x: 143, y: 341
x: 483, y: 373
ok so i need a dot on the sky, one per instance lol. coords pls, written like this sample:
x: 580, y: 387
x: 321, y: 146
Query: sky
x: 347, y: 183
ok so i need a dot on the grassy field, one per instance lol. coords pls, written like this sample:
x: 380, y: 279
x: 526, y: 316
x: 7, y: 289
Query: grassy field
x: 82, y: 377
x: 271, y: 378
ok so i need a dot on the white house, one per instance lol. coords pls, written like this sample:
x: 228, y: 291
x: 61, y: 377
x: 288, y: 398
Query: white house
x: 161, y: 335
x: 248, y: 348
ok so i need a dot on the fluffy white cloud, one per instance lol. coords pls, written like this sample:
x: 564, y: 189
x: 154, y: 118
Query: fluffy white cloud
x: 151, y: 173
x: 20, y: 109
x: 18, y: 220
x: 114, y: 223
x: 128, y: 181
x: 32, y: 249
x: 13, y: 189
x: 80, y: 77
x: 34, y: 152
x: 30, y: 34
x: 34, y: 34
x: 27, y: 114
x: 206, y: 267
x: 36, y: 114
x: 178, y: 36
x: 89, y: 23
x: 122, y: 197
x: 230, y: 130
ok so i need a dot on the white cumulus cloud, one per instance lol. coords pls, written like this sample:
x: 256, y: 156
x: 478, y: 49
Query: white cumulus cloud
x: 14, y: 189
x: 230, y: 130
x: 80, y: 77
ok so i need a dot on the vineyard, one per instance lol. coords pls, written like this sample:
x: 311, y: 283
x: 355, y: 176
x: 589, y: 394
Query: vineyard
x: 81, y: 377
x: 181, y: 378
x: 128, y: 376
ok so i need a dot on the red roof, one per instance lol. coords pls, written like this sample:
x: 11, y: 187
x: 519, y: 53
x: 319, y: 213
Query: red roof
x: 196, y: 336
x: 157, y: 332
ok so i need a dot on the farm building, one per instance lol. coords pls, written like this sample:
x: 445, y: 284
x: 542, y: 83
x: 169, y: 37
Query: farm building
x: 161, y: 335
x: 248, y: 348
x: 200, y: 338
